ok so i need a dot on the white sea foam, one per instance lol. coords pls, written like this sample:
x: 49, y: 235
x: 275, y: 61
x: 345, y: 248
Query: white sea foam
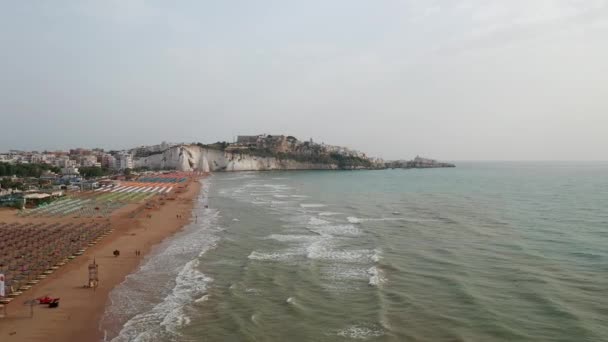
x: 281, y: 196
x: 168, y: 315
x: 292, y: 238
x: 315, y: 221
x: 312, y: 205
x: 252, y: 291
x: 328, y: 213
x: 353, y: 219
x: 376, y: 277
x: 337, y: 230
x: 290, y: 300
x: 322, y: 250
x: 361, y: 332
x: 202, y: 299
x: 271, y: 256
x: 339, y: 255
x: 377, y: 256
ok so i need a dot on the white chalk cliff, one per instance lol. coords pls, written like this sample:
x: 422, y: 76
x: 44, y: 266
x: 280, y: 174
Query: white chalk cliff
x: 197, y: 158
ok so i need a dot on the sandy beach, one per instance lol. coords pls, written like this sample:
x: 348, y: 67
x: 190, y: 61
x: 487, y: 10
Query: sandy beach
x: 77, y: 317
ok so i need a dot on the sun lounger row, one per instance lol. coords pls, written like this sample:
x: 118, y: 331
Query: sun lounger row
x: 29, y: 252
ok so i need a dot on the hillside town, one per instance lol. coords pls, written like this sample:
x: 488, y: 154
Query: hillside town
x: 289, y: 144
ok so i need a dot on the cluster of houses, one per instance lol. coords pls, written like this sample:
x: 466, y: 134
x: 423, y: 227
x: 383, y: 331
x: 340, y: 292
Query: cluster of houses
x: 144, y: 151
x: 51, y: 185
x: 70, y: 161
x: 289, y: 144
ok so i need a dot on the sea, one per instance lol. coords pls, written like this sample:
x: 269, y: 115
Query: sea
x: 493, y: 251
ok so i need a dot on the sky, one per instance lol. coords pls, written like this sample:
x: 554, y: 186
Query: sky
x: 452, y: 80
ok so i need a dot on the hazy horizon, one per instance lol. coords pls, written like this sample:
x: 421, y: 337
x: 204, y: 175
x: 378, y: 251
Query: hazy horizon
x: 451, y: 80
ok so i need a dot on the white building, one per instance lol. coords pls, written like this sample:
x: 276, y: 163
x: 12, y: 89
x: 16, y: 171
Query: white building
x: 89, y: 160
x: 70, y: 171
x: 64, y: 162
x: 124, y: 161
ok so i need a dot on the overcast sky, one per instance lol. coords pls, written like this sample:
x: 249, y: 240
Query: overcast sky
x: 453, y: 80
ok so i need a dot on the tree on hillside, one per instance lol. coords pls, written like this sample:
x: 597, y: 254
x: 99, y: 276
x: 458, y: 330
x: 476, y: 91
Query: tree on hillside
x: 93, y: 171
x: 25, y: 170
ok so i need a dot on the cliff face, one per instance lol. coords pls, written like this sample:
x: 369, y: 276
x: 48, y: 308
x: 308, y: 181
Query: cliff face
x: 197, y: 158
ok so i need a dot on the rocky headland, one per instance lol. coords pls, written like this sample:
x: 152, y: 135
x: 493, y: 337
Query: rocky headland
x: 262, y: 153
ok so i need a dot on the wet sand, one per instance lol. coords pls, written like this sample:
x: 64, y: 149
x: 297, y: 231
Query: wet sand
x: 80, y: 310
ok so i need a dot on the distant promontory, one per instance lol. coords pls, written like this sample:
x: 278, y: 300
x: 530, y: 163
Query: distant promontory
x: 417, y: 163
x: 264, y: 152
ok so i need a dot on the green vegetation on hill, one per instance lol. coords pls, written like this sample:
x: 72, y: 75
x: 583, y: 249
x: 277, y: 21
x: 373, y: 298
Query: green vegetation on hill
x: 350, y: 162
x: 220, y: 145
x: 93, y: 171
x: 314, y: 157
x: 25, y: 170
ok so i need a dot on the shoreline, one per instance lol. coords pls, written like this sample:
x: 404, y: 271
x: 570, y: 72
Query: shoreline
x: 80, y: 311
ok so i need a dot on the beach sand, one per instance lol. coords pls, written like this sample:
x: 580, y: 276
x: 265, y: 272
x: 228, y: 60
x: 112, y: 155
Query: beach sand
x: 80, y: 310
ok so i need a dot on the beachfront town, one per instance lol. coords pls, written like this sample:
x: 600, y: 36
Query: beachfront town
x: 34, y: 172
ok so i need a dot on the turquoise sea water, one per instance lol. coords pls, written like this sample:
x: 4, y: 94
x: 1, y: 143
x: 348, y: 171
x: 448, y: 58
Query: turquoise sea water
x: 482, y: 252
